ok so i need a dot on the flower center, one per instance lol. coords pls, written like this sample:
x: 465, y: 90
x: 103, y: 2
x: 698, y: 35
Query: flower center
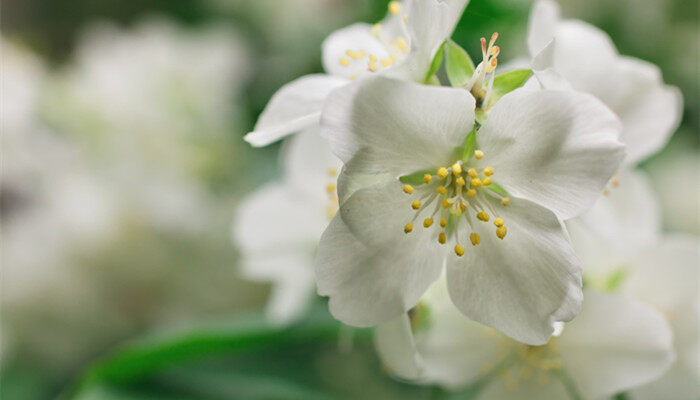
x: 395, y: 47
x: 481, y: 84
x: 455, y: 194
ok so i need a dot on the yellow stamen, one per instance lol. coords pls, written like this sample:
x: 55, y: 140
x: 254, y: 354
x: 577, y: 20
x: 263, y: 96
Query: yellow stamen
x: 442, y: 238
x: 483, y: 216
x: 372, y: 67
x: 474, y: 237
x: 394, y: 7
x: 330, y: 188
x: 442, y: 172
x: 344, y: 61
x: 360, y: 54
x: 478, y: 154
x: 472, y: 173
x: 372, y: 58
x: 443, y: 222
x: 332, y: 171
x: 405, y: 18
x: 460, y: 181
x: 487, y: 181
x: 459, y: 250
x: 505, y: 202
x: 471, y: 193
x: 456, y: 168
x: 415, y: 205
x: 408, y: 228
x: 446, y: 203
x: 615, y: 182
x: 408, y: 189
x: 463, y: 207
x: 488, y: 171
x: 501, y: 232
x: 427, y: 222
x: 401, y: 42
x: 351, y: 54
x: 441, y: 190
x: 427, y: 178
x: 498, y: 222
x: 476, y: 182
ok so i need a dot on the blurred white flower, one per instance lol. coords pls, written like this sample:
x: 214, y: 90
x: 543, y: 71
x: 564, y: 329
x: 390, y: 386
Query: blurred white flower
x: 278, y: 227
x: 587, y: 59
x: 622, y: 249
x: 614, y: 344
x: 402, y: 45
x: 539, y: 156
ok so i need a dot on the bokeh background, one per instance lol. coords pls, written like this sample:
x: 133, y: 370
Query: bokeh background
x: 123, y: 163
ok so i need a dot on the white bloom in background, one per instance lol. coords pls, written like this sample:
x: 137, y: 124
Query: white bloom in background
x: 613, y: 345
x: 622, y: 249
x: 402, y: 45
x: 540, y: 156
x: 278, y: 227
x: 587, y: 59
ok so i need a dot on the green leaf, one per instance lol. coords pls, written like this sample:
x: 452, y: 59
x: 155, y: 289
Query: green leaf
x: 458, y: 64
x: 435, y: 65
x: 508, y: 81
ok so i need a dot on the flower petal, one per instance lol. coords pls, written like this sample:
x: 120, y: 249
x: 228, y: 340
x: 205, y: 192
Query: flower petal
x: 523, y: 284
x: 615, y: 344
x: 582, y: 52
x: 356, y: 40
x: 544, y: 18
x: 397, y: 349
x: 295, y: 107
x: 367, y: 284
x: 556, y: 148
x: 395, y: 126
x: 310, y: 165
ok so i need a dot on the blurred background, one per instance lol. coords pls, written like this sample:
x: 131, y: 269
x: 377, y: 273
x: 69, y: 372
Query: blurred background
x: 123, y: 163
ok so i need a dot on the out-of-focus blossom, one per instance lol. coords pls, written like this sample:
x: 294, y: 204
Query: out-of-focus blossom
x: 622, y: 249
x: 614, y: 344
x: 402, y: 45
x: 278, y: 227
x: 587, y: 59
x: 521, y: 275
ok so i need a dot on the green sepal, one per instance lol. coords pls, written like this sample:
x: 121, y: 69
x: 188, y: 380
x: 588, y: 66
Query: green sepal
x: 435, y: 64
x: 498, y: 189
x: 508, y: 81
x: 458, y: 64
x: 416, y: 178
x: 469, y: 146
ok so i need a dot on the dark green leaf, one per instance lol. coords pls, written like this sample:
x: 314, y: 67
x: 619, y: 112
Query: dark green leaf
x: 458, y: 64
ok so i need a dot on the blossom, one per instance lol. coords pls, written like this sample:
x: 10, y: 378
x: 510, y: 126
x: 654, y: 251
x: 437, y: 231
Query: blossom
x: 614, y: 344
x: 278, y: 227
x: 402, y: 45
x: 623, y: 250
x: 587, y: 59
x: 416, y: 176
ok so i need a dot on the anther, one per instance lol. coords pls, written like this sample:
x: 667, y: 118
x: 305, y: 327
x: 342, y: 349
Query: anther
x: 476, y: 182
x: 330, y: 188
x: 483, y: 216
x: 501, y: 232
x: 441, y: 190
x: 443, y: 222
x: 408, y: 189
x: 471, y: 193
x: 344, y: 61
x: 615, y: 182
x: 372, y: 58
x: 427, y: 222
x: 427, y: 178
x: 487, y: 181
x: 332, y: 171
x: 442, y: 172
x: 498, y: 222
x: 442, y: 238
x: 488, y: 171
x: 457, y: 168
x: 408, y: 228
x: 446, y: 203
x: 463, y: 207
x: 459, y: 250
x: 474, y: 237
x: 394, y: 7
x: 478, y: 154
x: 460, y: 181
x: 472, y: 173
x: 415, y: 205
x: 505, y: 202
x: 401, y: 42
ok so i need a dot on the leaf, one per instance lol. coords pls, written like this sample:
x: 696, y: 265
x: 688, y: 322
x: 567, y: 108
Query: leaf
x: 458, y: 64
x: 508, y: 81
x: 435, y: 64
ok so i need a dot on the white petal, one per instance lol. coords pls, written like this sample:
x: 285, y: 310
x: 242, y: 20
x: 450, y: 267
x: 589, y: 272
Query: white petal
x: 677, y: 384
x: 582, y: 53
x: 527, y: 389
x: 543, y: 68
x: 556, y: 148
x: 295, y: 107
x: 369, y: 285
x: 310, y: 165
x: 544, y: 18
x: 520, y: 285
x: 615, y: 344
x: 354, y: 38
x: 395, y: 126
x: 397, y: 349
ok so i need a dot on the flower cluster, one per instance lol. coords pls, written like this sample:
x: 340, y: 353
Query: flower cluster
x: 467, y: 218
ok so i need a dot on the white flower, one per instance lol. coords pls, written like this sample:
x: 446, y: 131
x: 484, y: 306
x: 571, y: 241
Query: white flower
x: 587, y: 59
x: 539, y: 156
x: 403, y: 45
x: 278, y: 227
x: 622, y: 249
x: 613, y: 345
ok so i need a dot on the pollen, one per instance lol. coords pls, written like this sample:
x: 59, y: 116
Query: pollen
x: 330, y: 188
x: 415, y: 205
x: 457, y: 168
x: 442, y: 172
x: 471, y: 193
x: 472, y: 173
x: 488, y: 171
x: 487, y: 181
x: 498, y: 222
x: 332, y: 171
x: 427, y: 178
x: 501, y: 232
x: 483, y: 216
x: 476, y: 182
x: 446, y: 203
x: 408, y: 189
x: 505, y: 202
x: 459, y: 250
x: 442, y: 238
x: 427, y: 222
x: 460, y: 181
x: 615, y: 182
x: 372, y: 67
x: 344, y: 61
x: 408, y: 228
x: 443, y: 222
x: 372, y: 58
x: 441, y: 189
x: 394, y: 7
x: 401, y: 42
x: 478, y: 154
x: 475, y: 239
x: 463, y: 207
